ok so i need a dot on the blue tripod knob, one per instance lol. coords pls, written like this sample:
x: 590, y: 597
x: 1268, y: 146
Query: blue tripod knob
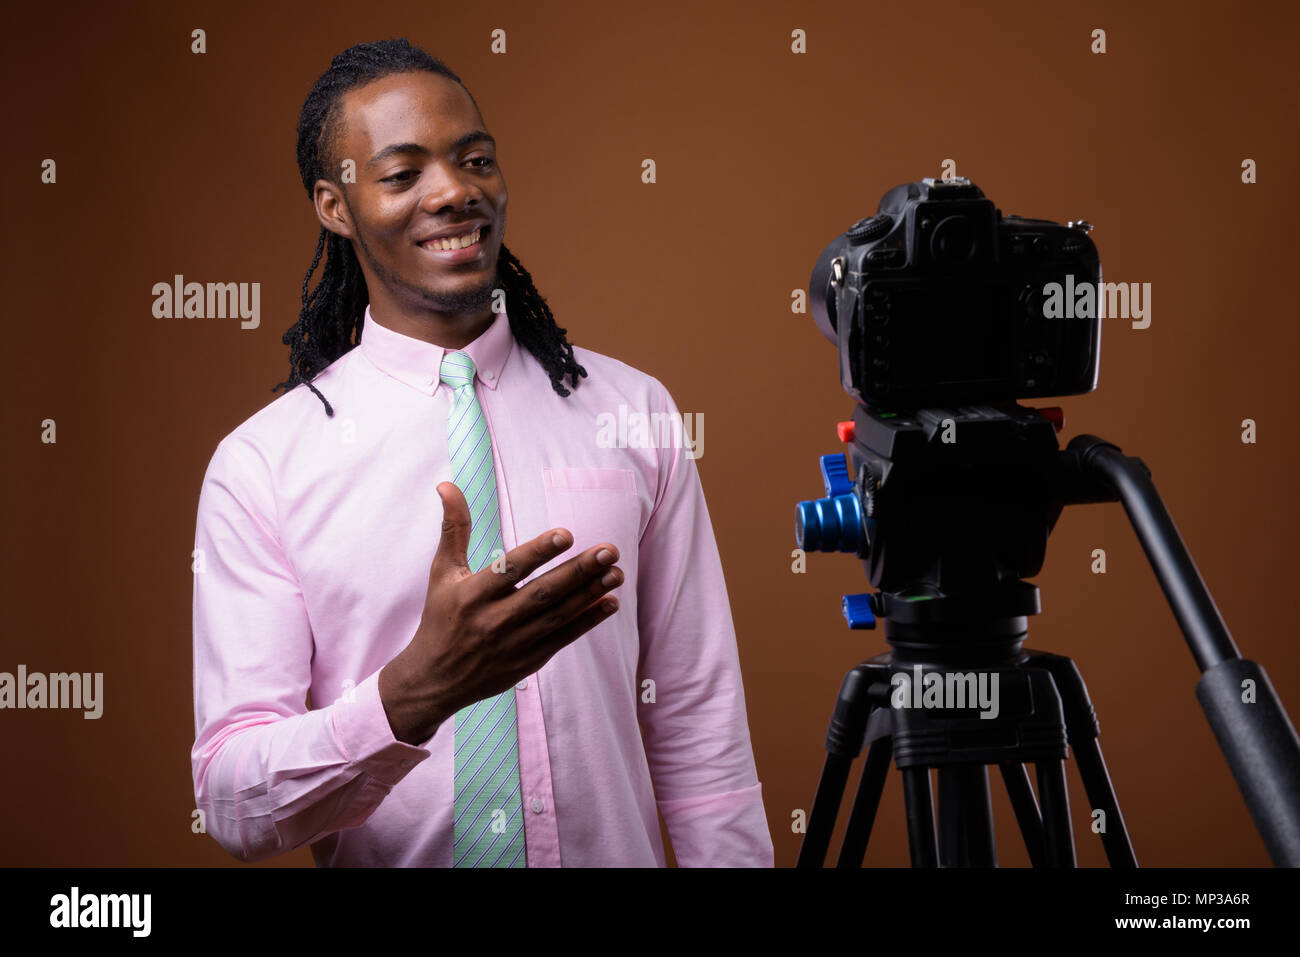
x: 858, y: 612
x: 833, y: 523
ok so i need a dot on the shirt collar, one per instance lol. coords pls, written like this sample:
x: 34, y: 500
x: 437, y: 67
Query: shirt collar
x: 418, y: 363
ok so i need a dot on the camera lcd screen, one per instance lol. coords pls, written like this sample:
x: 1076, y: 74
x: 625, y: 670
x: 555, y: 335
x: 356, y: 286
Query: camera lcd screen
x: 950, y: 335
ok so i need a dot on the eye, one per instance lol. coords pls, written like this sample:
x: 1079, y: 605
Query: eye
x: 398, y: 176
x: 487, y: 161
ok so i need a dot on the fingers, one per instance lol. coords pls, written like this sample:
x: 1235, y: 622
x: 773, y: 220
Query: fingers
x: 541, y: 595
x: 522, y: 561
x: 453, y: 544
x: 546, y: 616
x: 545, y: 649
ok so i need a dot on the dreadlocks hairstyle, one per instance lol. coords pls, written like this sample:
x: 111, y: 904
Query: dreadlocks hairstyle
x: 333, y: 314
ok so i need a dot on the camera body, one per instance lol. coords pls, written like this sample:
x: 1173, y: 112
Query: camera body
x: 939, y: 300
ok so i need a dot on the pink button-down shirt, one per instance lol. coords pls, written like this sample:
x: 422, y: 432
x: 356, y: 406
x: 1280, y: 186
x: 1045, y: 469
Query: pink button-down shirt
x: 314, y: 541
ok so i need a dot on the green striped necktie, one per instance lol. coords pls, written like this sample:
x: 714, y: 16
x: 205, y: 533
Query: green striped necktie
x: 489, y: 810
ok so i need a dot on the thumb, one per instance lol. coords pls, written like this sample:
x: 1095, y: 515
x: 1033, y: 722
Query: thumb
x: 453, y: 546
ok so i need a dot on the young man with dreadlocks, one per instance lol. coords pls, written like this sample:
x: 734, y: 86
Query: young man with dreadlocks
x: 386, y: 538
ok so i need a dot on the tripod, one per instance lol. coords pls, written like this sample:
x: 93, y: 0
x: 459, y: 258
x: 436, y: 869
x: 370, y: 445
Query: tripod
x: 947, y: 534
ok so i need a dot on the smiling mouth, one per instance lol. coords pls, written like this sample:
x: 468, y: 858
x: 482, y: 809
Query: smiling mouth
x: 452, y: 243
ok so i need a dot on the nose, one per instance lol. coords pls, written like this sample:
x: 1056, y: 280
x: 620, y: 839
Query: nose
x: 449, y: 187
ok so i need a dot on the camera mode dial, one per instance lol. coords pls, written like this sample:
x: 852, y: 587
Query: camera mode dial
x: 873, y: 227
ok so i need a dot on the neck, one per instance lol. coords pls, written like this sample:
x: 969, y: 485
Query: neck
x: 451, y: 331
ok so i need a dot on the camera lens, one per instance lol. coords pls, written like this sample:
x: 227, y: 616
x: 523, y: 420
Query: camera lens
x: 953, y: 240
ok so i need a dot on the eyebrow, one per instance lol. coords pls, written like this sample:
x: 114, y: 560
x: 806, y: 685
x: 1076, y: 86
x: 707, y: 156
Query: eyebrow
x: 475, y: 136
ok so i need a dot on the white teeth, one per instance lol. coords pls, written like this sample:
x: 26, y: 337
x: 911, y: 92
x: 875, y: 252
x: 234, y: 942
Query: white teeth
x: 456, y: 242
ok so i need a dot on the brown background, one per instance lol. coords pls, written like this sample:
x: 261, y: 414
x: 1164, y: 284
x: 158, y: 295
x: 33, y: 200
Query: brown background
x: 173, y: 162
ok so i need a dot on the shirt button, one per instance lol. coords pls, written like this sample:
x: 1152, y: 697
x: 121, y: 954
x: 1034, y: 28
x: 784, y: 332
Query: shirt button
x: 490, y: 374
x: 407, y: 763
x: 537, y: 805
x: 522, y: 685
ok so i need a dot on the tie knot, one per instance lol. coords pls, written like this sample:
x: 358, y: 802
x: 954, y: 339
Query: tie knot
x: 457, y: 369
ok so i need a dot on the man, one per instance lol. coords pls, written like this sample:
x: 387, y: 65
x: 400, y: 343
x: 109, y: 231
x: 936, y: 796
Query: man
x: 388, y: 540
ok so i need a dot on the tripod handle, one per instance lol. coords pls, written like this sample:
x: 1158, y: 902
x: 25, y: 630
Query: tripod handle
x: 1127, y: 480
x: 1248, y: 720
x: 1262, y: 749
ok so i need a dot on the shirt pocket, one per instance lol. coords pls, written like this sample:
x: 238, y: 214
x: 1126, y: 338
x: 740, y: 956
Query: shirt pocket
x: 601, y: 505
x: 596, y: 505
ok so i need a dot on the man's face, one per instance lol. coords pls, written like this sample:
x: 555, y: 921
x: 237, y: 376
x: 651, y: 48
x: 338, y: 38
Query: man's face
x: 425, y: 166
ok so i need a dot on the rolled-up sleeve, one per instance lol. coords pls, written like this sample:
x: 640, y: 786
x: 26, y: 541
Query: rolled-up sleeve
x: 269, y: 775
x: 695, y: 731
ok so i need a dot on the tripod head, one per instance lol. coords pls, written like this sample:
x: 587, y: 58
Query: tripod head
x: 947, y: 509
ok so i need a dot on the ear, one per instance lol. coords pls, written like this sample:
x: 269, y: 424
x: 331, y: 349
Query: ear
x: 331, y: 209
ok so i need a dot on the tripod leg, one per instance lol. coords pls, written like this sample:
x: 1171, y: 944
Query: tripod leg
x: 965, y: 817
x: 826, y: 806
x: 844, y: 738
x: 1056, y: 814
x: 1096, y: 782
x: 920, y: 817
x: 1023, y: 802
x: 863, y: 815
x: 1082, y: 729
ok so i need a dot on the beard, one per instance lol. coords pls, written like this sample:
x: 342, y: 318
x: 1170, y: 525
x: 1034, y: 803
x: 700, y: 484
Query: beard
x: 467, y: 301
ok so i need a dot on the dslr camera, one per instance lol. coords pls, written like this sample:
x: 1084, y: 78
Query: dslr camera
x: 939, y: 300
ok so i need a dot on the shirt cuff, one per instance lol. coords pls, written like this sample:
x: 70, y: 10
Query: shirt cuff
x: 365, y: 737
x: 720, y: 830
